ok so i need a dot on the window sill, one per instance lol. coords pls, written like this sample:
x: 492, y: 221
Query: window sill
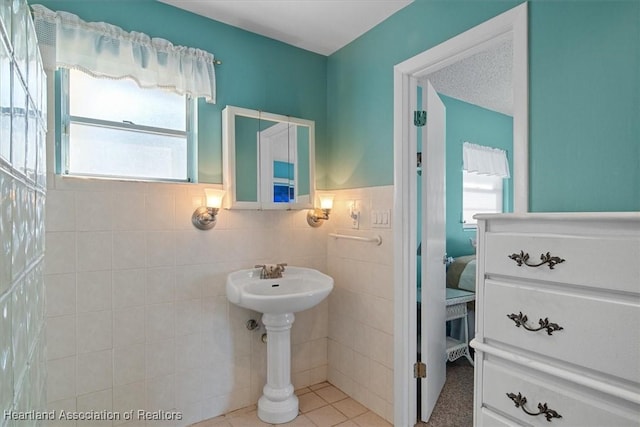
x: 93, y: 183
x: 123, y: 178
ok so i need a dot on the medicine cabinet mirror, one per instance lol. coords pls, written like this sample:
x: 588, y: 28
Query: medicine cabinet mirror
x: 268, y: 160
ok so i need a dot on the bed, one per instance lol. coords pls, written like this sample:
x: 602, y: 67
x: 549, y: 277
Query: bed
x: 461, y: 274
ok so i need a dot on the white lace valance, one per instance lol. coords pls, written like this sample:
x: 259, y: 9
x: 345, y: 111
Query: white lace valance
x: 485, y: 160
x: 104, y: 50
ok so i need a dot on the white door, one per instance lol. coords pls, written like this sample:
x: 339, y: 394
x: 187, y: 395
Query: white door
x: 433, y: 251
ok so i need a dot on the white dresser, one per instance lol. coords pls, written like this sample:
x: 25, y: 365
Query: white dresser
x: 558, y: 320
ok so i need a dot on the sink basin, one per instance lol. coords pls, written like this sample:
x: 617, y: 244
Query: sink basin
x: 299, y: 289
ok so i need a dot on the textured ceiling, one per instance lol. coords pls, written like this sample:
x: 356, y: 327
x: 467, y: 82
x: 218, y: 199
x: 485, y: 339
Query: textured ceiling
x: 483, y: 79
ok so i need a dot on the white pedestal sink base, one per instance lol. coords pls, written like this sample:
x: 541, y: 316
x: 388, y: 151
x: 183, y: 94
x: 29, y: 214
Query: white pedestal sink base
x: 278, y: 412
x: 278, y: 404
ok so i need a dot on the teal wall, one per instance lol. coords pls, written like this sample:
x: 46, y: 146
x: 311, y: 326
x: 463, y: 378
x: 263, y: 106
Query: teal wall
x: 470, y: 123
x: 585, y: 106
x: 584, y: 97
x: 257, y: 72
x: 584, y: 90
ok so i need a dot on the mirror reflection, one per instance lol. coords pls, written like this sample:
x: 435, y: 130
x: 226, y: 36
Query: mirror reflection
x: 268, y: 160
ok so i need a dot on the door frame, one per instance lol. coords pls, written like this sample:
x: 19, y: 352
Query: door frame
x: 406, y: 74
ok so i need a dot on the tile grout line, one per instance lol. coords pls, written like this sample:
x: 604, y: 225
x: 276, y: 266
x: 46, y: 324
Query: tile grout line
x: 252, y: 409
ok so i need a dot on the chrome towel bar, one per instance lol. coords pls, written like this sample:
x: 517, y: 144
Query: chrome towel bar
x: 375, y: 239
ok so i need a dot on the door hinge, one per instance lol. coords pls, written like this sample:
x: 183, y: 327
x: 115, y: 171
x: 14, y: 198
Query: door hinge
x: 419, y: 118
x: 419, y: 370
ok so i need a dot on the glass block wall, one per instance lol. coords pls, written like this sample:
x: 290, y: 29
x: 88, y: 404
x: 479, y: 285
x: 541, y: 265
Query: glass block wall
x: 22, y: 200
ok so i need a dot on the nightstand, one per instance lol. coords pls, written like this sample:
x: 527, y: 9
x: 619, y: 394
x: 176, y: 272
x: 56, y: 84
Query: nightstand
x: 456, y: 300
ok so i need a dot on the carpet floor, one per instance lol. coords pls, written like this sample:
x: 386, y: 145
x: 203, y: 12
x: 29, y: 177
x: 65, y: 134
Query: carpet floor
x: 454, y: 407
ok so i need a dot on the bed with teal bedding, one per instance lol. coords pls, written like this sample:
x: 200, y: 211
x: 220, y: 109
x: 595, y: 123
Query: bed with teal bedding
x: 461, y: 274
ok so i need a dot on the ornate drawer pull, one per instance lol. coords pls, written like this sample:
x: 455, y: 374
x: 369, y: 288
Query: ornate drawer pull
x: 521, y: 320
x: 523, y: 257
x: 543, y: 409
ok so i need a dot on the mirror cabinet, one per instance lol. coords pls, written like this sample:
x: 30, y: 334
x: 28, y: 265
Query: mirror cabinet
x: 268, y: 160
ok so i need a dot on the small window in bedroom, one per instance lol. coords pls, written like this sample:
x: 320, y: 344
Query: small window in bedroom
x: 114, y: 128
x: 484, y: 170
x: 480, y: 194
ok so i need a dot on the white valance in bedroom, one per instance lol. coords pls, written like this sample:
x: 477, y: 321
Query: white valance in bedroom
x: 107, y: 51
x: 485, y: 160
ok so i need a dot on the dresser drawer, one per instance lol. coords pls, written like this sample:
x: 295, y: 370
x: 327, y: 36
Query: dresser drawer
x: 491, y: 419
x: 589, y: 337
x: 504, y: 385
x: 610, y: 263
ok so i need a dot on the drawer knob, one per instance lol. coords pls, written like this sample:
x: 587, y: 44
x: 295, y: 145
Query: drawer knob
x: 521, y: 320
x: 523, y: 257
x: 543, y: 409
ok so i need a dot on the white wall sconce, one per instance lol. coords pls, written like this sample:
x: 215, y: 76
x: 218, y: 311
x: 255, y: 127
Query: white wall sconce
x: 204, y: 218
x: 315, y: 217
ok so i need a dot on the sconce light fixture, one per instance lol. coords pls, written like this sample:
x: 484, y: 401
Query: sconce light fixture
x: 315, y: 217
x: 204, y: 218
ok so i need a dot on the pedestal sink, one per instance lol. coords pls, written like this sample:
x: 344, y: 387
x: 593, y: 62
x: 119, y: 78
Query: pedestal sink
x: 298, y: 289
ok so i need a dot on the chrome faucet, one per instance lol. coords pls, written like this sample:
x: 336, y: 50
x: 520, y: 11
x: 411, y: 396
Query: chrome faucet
x: 268, y: 271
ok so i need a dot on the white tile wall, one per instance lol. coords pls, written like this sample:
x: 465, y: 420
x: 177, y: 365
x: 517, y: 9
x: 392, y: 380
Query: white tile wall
x: 137, y: 315
x: 22, y: 196
x: 361, y: 305
x: 152, y: 323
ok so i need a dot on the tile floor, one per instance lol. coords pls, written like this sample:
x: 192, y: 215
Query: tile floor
x: 321, y: 405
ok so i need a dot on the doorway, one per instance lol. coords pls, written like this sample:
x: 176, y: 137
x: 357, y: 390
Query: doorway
x: 512, y: 23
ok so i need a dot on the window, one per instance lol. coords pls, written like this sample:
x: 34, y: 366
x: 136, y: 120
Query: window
x: 483, y: 171
x: 114, y: 128
x: 109, y: 125
x: 480, y: 194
